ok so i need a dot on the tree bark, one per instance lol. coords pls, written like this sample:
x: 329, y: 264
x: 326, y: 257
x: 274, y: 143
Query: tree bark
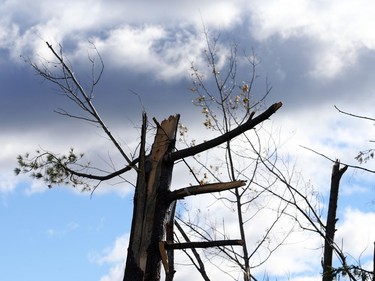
x: 331, y: 221
x: 150, y: 204
x: 169, y: 235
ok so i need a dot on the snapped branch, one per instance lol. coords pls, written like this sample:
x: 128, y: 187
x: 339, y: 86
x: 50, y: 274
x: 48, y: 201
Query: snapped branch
x: 202, y: 189
x: 203, y: 244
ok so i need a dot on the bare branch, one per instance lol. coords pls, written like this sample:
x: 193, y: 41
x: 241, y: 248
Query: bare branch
x: 251, y: 123
x: 65, y: 113
x: 333, y: 161
x: 202, y: 189
x: 200, y: 266
x: 204, y: 244
x: 354, y: 115
x: 87, y: 98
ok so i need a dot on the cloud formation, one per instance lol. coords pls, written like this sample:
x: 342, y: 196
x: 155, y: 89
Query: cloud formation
x: 314, y: 55
x: 339, y: 29
x: 114, y: 256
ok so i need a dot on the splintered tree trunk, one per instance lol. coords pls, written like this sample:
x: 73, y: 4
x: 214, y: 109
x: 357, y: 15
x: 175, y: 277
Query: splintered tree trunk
x: 151, y: 204
x: 153, y: 198
x: 331, y: 220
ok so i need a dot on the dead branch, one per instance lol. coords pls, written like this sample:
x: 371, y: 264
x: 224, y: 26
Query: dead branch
x: 203, y: 244
x: 200, y: 266
x: 177, y: 155
x: 333, y: 161
x: 202, y: 189
x: 354, y: 115
x: 250, y: 123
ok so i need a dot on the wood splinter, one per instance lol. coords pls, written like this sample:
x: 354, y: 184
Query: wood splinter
x: 164, y: 257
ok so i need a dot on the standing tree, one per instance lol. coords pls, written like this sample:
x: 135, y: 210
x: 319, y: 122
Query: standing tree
x: 227, y: 105
x: 154, y: 202
x: 310, y: 219
x: 330, y: 227
x: 226, y: 97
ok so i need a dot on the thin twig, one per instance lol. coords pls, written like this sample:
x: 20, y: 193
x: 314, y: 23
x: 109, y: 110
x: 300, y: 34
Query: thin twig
x: 343, y: 163
x: 354, y: 115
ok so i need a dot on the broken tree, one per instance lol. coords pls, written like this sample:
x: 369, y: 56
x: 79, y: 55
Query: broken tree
x: 153, y: 198
x: 328, y: 274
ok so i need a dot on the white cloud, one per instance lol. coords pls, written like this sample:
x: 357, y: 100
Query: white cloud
x: 98, y: 150
x: 115, y: 256
x: 356, y: 232
x: 116, y: 273
x: 7, y: 182
x: 316, y: 277
x: 321, y: 128
x: 339, y: 29
x: 72, y: 226
x: 355, y: 189
x: 63, y: 231
x: 51, y: 232
x: 336, y: 30
x: 35, y: 187
x: 131, y: 46
x: 115, y: 253
x: 23, y: 32
x: 8, y: 161
x: 152, y: 49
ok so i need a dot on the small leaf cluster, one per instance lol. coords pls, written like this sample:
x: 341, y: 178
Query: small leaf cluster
x: 182, y: 129
x: 364, y: 156
x: 51, y: 168
x: 183, y: 135
x: 224, y: 99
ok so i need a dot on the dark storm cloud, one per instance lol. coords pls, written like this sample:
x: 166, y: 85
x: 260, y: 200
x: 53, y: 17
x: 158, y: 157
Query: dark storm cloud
x: 22, y: 97
x: 289, y: 64
x: 153, y: 60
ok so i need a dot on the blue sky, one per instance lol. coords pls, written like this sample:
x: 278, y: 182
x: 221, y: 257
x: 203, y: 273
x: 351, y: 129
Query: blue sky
x: 314, y: 54
x: 58, y: 232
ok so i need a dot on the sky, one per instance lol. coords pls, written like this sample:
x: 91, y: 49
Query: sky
x: 314, y: 54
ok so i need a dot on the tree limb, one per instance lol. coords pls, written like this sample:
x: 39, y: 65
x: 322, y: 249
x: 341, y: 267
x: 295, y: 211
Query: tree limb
x: 87, y: 99
x: 203, y: 244
x: 200, y: 267
x: 333, y: 161
x: 202, y: 189
x: 354, y: 115
x: 177, y: 155
x: 250, y: 123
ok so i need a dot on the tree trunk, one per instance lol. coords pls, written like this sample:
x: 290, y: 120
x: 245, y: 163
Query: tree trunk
x: 151, y: 204
x: 331, y: 221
